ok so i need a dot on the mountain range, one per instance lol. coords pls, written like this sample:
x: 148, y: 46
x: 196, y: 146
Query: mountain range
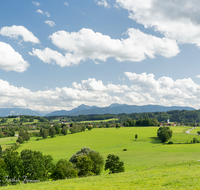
x: 87, y: 110
x: 116, y: 109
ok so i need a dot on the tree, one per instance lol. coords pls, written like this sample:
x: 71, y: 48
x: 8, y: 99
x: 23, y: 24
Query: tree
x: 52, y: 132
x: 3, y: 172
x: 107, y: 125
x: 164, y: 134
x: 198, y: 132
x: 36, y: 166
x: 14, y: 166
x: 117, y: 125
x: 64, y: 169
x: 136, y: 136
x: 84, y: 164
x: 113, y: 164
x: 64, y: 130
x: 1, y: 151
x: 45, y: 133
x: 95, y: 156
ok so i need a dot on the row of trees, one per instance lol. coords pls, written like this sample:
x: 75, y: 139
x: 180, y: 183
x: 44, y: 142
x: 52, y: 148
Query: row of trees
x: 37, y: 166
x: 141, y: 122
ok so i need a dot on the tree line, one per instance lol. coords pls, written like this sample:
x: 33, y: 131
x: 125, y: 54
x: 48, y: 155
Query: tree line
x: 36, y: 166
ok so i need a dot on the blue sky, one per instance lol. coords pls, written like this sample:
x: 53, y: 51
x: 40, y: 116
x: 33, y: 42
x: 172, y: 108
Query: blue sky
x: 57, y: 54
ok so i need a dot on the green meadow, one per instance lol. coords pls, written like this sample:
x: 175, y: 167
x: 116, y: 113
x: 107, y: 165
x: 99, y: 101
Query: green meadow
x: 148, y: 163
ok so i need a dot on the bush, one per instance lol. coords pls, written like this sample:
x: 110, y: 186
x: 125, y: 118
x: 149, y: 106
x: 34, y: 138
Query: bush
x: 170, y: 142
x: 97, y: 159
x: 113, y: 164
x: 125, y: 149
x: 63, y: 170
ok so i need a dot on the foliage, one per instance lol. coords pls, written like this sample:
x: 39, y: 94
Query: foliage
x: 3, y: 171
x: 96, y: 158
x: 1, y: 151
x: 113, y: 164
x: 52, y: 132
x: 35, y: 165
x: 164, y: 134
x: 64, y: 130
x: 136, y: 136
x: 198, y: 132
x: 64, y: 169
x: 45, y: 133
x: 14, y: 166
x: 84, y: 164
x: 117, y: 125
x: 23, y: 136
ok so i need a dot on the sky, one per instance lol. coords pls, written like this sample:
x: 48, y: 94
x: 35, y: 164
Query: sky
x: 59, y: 54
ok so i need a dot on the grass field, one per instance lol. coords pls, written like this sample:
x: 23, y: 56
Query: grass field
x: 148, y: 163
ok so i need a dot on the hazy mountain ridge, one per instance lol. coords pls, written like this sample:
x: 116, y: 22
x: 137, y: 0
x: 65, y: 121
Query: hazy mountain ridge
x: 4, y: 112
x: 116, y: 109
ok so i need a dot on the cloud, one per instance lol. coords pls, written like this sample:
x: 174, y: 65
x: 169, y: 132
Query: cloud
x: 102, y: 3
x: 198, y: 76
x: 97, y: 86
x: 10, y: 60
x: 36, y: 3
x: 41, y: 12
x: 176, y: 20
x: 50, y: 23
x: 145, y: 89
x: 16, y: 31
x: 65, y: 3
x: 87, y: 44
x: 164, y: 91
x: 47, y: 14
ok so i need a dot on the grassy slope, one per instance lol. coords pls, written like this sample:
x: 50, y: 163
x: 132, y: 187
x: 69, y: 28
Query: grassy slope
x: 145, y: 152
x: 141, y: 155
x: 182, y: 176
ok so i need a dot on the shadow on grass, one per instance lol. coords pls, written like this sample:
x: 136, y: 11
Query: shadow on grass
x: 155, y: 140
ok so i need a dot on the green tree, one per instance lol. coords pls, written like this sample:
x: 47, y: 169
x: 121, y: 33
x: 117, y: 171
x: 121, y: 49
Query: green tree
x: 117, y: 125
x: 36, y: 166
x: 1, y: 151
x: 113, y: 164
x: 45, y: 133
x: 64, y: 130
x: 136, y: 136
x: 84, y: 164
x: 52, y: 132
x: 95, y: 156
x: 164, y: 134
x: 14, y: 166
x: 3, y: 172
x: 64, y: 169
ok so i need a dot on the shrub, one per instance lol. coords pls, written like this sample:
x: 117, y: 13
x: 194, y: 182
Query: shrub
x: 170, y: 142
x: 63, y: 170
x: 96, y: 158
x: 125, y: 149
x: 113, y: 164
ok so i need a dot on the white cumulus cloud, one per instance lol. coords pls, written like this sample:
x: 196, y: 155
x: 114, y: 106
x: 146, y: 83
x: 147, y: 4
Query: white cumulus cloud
x: 176, y: 20
x: 87, y: 44
x: 16, y: 31
x: 10, y: 60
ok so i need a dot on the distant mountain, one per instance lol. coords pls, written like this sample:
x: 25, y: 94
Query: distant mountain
x: 80, y: 108
x: 4, y: 112
x: 116, y: 109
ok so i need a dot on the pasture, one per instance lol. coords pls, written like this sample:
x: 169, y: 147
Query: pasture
x: 148, y: 163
